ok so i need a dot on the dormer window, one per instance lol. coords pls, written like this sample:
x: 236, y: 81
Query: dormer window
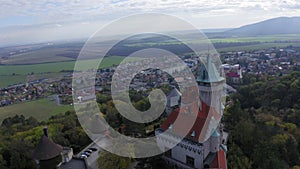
x: 171, y: 126
x: 193, y: 134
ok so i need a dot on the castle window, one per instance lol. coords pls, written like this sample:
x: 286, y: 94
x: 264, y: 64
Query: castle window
x: 190, y: 161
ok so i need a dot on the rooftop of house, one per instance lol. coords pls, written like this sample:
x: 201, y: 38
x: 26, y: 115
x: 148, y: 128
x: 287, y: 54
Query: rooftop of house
x: 233, y: 74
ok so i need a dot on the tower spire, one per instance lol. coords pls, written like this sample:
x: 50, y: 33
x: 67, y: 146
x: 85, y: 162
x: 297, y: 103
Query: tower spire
x: 208, y: 60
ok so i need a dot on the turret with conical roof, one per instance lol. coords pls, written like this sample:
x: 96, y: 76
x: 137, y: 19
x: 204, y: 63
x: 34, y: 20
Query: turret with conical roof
x: 209, y: 73
x: 211, y: 85
x: 47, y: 153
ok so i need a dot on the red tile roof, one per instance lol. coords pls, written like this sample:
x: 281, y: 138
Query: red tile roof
x: 219, y: 160
x: 184, y: 117
x: 232, y: 74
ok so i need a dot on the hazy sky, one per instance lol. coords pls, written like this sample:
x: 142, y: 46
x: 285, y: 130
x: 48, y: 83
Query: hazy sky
x: 24, y: 21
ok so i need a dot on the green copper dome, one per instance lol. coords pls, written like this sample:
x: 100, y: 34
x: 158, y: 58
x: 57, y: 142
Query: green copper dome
x: 209, y: 73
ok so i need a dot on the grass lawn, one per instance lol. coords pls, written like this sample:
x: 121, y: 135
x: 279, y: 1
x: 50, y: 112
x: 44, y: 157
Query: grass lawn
x: 40, y: 109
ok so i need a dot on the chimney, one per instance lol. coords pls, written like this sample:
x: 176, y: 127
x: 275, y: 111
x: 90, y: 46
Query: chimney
x: 46, y: 131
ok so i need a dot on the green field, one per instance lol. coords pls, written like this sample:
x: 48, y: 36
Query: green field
x: 257, y: 47
x: 6, y: 80
x: 269, y: 38
x: 262, y: 39
x: 39, y: 56
x: 261, y: 42
x: 40, y: 109
x: 12, y: 74
x: 55, y: 67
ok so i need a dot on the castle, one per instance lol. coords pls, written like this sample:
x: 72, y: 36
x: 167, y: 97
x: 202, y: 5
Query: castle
x: 204, y: 144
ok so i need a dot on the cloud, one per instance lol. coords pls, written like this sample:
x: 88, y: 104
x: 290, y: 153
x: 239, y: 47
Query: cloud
x: 52, y: 19
x: 64, y: 10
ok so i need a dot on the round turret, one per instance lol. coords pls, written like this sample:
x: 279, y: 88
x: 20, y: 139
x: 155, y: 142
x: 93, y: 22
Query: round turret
x: 215, y: 142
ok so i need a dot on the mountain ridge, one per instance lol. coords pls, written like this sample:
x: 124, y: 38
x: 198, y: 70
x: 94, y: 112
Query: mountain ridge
x: 280, y: 25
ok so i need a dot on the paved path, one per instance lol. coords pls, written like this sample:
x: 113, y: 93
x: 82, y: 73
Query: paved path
x: 92, y: 159
x: 103, y: 141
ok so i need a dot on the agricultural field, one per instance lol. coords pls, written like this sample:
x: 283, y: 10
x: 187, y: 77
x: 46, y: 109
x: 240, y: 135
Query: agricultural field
x: 40, y: 109
x: 226, y: 44
x: 265, y: 38
x: 39, y: 56
x: 260, y: 39
x: 13, y: 74
x: 257, y: 47
x: 6, y: 80
x: 54, y: 67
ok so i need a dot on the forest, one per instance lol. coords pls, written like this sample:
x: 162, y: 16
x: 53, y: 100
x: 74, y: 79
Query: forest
x: 262, y: 118
x: 19, y: 136
x: 263, y: 121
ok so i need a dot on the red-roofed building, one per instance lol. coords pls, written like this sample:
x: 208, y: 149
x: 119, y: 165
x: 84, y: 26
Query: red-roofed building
x: 219, y: 161
x: 233, y: 73
x: 196, y: 124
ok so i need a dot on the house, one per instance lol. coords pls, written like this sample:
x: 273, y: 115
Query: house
x: 233, y: 73
x: 173, y: 100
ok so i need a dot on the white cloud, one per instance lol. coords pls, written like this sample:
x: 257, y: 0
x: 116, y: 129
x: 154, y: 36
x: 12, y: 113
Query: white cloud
x: 65, y: 17
x: 50, y: 10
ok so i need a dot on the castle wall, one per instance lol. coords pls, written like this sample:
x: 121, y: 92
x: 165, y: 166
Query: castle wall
x: 181, y: 150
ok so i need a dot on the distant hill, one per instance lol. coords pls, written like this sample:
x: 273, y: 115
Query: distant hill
x: 281, y: 25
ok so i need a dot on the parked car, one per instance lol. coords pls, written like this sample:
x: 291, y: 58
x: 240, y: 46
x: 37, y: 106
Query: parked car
x: 92, y: 149
x: 88, y: 151
x: 85, y: 153
x: 83, y: 156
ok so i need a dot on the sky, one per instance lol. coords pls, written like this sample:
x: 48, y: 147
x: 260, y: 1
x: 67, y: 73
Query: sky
x: 24, y: 21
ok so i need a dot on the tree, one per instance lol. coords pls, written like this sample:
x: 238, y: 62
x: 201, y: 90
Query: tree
x: 20, y: 156
x: 108, y: 160
x: 2, y: 163
x: 237, y: 159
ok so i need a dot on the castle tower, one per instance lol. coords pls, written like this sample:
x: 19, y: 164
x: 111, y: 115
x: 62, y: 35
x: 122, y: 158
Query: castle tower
x: 215, y: 142
x: 47, y: 153
x: 211, y: 87
x: 201, y: 146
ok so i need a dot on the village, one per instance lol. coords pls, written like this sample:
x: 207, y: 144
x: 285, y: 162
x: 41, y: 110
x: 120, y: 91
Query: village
x: 273, y: 62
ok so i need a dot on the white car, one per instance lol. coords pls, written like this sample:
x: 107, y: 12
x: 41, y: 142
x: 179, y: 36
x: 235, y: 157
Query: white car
x: 83, y: 156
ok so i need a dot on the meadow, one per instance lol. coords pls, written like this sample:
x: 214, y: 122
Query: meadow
x: 38, y: 56
x: 263, y: 39
x: 257, y: 47
x: 40, y: 109
x: 13, y: 74
x: 260, y: 39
